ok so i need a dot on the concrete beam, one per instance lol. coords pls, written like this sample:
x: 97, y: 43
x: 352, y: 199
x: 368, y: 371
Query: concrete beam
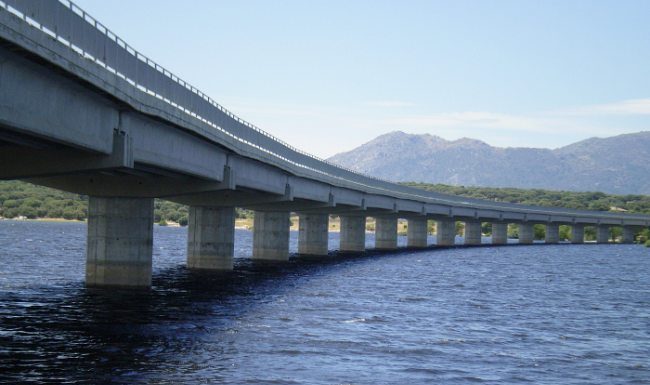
x: 211, y: 238
x: 353, y: 234
x: 472, y: 233
x: 271, y: 235
x: 313, y: 234
x: 445, y: 232
x: 416, y: 232
x: 42, y: 102
x: 25, y: 162
x: 499, y: 233
x: 120, y: 242
x: 386, y: 233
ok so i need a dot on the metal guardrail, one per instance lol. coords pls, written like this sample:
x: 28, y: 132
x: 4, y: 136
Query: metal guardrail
x: 71, y: 26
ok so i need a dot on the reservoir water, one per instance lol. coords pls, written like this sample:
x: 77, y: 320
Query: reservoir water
x: 560, y: 314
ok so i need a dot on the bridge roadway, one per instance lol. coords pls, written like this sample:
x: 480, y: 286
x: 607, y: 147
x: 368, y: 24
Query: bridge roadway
x: 82, y: 111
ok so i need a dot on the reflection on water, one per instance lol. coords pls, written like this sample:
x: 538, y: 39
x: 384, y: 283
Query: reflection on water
x: 554, y: 314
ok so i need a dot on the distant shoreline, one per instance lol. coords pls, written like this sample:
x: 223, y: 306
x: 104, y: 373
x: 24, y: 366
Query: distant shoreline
x: 61, y: 220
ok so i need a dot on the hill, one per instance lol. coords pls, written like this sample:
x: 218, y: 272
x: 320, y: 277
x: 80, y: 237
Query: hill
x: 617, y: 165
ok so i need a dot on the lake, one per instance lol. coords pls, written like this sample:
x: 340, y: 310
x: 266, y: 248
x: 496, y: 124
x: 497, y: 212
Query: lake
x: 541, y: 314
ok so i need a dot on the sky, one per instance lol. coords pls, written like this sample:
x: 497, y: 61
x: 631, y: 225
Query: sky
x: 328, y: 76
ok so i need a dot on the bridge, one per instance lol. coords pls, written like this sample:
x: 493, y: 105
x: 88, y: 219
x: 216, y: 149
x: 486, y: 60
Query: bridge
x: 82, y: 111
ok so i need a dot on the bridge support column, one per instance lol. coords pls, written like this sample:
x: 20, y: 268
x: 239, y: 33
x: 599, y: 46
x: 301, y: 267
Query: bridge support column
x: 628, y: 234
x: 312, y: 234
x: 211, y: 238
x: 552, y: 233
x: 602, y: 234
x: 445, y: 232
x: 499, y: 233
x: 120, y: 242
x: 416, y: 232
x: 386, y: 233
x: 271, y: 235
x: 577, y: 233
x: 472, y: 233
x: 526, y: 233
x: 353, y: 234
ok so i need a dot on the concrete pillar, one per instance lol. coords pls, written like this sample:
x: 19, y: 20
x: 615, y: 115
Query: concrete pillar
x: 271, y: 235
x: 499, y: 233
x: 386, y: 233
x: 416, y: 232
x: 445, y: 232
x: 552, y: 233
x: 577, y: 233
x: 312, y: 234
x: 211, y: 238
x: 628, y: 234
x: 472, y: 233
x: 602, y: 234
x: 120, y: 242
x: 353, y: 234
x: 526, y: 233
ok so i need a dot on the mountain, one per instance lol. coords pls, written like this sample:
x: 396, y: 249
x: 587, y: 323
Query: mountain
x: 619, y: 164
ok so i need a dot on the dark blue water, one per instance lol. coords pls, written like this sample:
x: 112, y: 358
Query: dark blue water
x: 511, y: 315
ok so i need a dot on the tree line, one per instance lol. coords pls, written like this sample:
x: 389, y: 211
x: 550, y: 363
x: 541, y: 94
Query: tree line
x: 20, y: 199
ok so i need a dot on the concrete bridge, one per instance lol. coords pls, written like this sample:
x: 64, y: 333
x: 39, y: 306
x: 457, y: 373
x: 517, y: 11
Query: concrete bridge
x: 82, y: 111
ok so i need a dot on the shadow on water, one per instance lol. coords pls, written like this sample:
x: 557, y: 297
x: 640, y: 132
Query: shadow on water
x: 73, y: 334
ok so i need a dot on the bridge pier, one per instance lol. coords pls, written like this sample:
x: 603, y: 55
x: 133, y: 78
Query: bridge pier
x: 499, y: 233
x: 211, y: 238
x: 577, y: 233
x: 353, y: 234
x: 472, y: 233
x: 526, y: 233
x: 445, y: 232
x: 552, y: 233
x: 386, y: 233
x: 628, y: 235
x: 313, y: 234
x: 602, y: 234
x: 120, y: 242
x: 416, y: 232
x: 271, y: 235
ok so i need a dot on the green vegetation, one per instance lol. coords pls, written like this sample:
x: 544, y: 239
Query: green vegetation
x: 20, y: 199
x: 647, y: 243
x: 573, y: 200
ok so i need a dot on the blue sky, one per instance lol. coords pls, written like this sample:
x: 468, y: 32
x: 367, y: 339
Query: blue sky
x: 327, y: 76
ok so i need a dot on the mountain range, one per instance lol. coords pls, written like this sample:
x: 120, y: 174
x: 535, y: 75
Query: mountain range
x: 618, y: 164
